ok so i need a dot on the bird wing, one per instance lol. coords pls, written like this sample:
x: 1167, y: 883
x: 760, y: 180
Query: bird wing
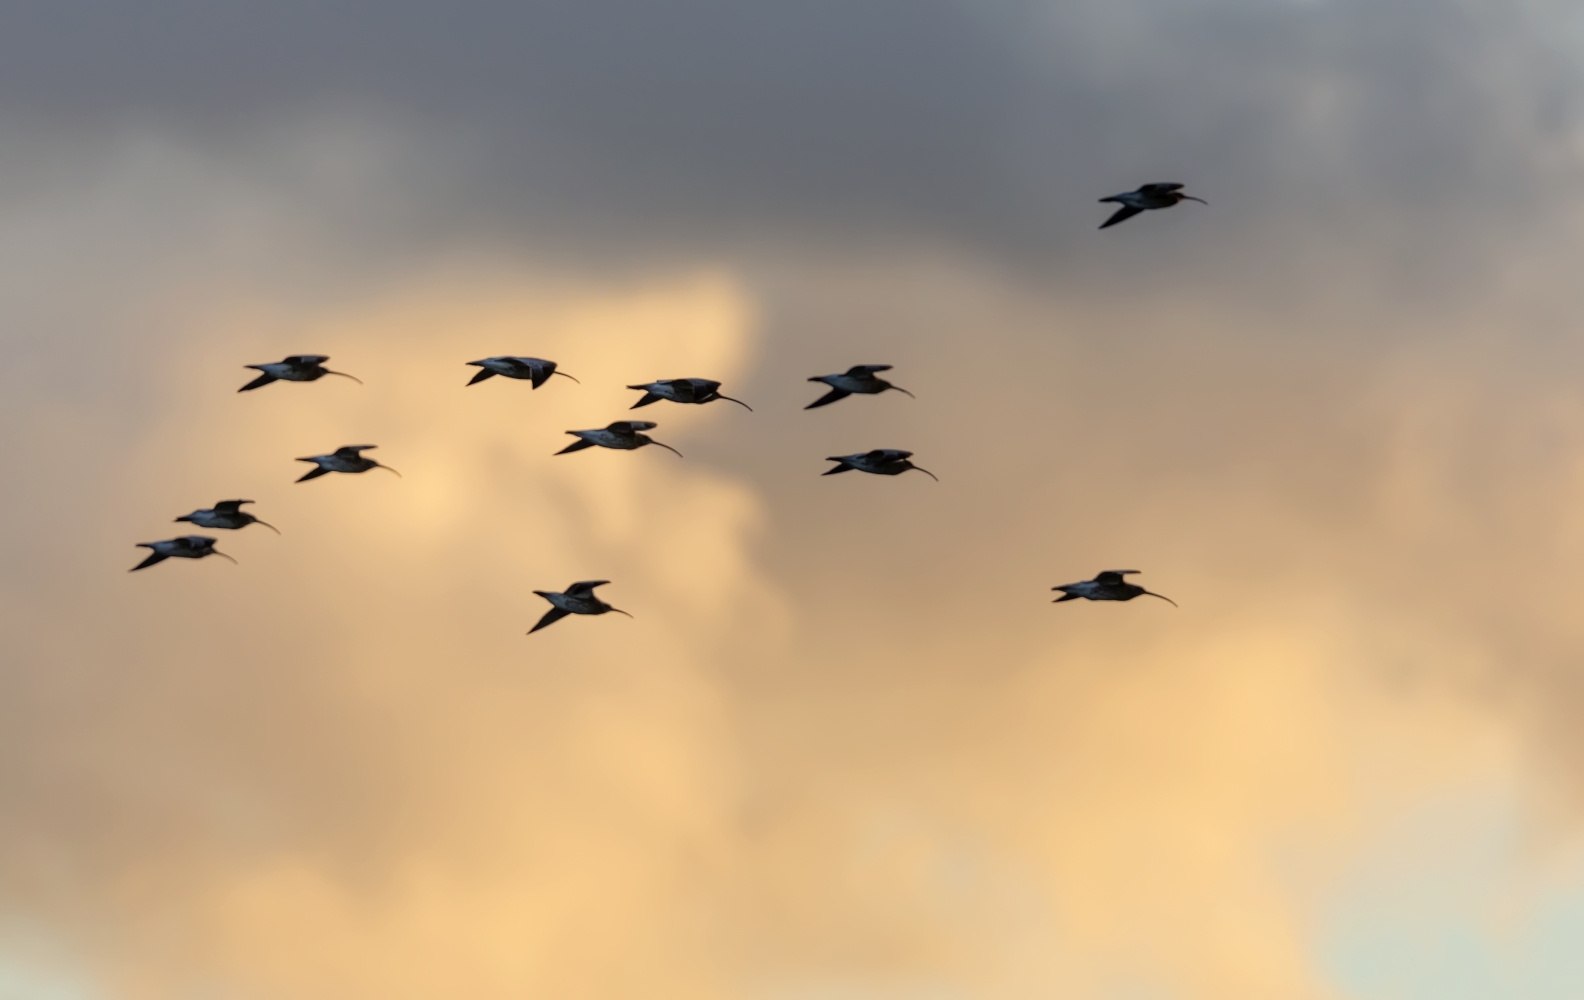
x: 353, y: 450
x: 1112, y: 577
x: 230, y: 506
x: 312, y: 473
x: 888, y: 455
x: 264, y: 379
x: 307, y: 359
x: 585, y: 588
x: 550, y: 618
x: 828, y: 398
x: 153, y: 557
x: 648, y: 397
x: 1160, y: 188
x: 631, y: 426
x: 1122, y: 214
x: 480, y: 375
x: 862, y: 370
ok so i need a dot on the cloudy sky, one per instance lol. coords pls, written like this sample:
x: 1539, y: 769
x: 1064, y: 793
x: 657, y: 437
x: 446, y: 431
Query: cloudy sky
x: 846, y: 749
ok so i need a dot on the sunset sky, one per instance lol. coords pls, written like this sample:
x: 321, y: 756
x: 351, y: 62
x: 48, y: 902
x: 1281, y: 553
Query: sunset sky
x: 846, y: 748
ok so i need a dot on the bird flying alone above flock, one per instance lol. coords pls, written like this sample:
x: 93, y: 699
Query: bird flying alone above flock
x: 577, y: 599
x: 346, y: 458
x: 185, y: 547
x: 226, y: 514
x: 535, y: 370
x: 880, y: 462
x: 1145, y: 198
x: 297, y: 368
x: 683, y: 390
x: 1107, y: 586
x: 857, y: 380
x: 623, y: 435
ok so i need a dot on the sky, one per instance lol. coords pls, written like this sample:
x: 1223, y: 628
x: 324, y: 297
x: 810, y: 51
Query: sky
x: 845, y: 749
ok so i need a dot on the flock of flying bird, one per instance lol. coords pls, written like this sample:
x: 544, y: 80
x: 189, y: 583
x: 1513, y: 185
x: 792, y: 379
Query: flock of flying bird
x: 628, y: 435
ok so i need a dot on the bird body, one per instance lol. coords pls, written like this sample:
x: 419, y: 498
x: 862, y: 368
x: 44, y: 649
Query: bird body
x: 297, y: 368
x: 185, y: 547
x: 535, y: 370
x: 857, y: 380
x: 227, y: 514
x: 1107, y: 586
x: 879, y: 462
x: 1150, y: 196
x: 347, y: 458
x: 577, y: 599
x: 683, y: 390
x: 623, y: 435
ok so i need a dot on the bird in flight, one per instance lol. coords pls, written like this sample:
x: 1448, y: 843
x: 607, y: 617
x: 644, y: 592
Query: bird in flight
x: 346, y: 458
x: 225, y: 514
x: 297, y: 368
x: 1147, y: 197
x: 683, y: 390
x: 880, y: 462
x: 185, y: 547
x: 535, y: 370
x: 623, y: 435
x: 577, y: 599
x: 1107, y: 586
x: 859, y: 379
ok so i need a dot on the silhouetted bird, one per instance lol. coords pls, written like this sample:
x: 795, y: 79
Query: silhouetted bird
x: 185, y: 547
x: 226, y: 514
x: 683, y: 390
x: 880, y: 462
x: 344, y: 459
x: 535, y: 370
x: 859, y: 379
x: 578, y: 599
x: 1107, y: 586
x: 1147, y: 197
x: 297, y: 368
x: 623, y: 435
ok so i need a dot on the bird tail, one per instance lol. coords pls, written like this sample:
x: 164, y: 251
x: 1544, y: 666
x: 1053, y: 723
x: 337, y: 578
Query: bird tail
x: 577, y: 445
x: 648, y: 398
x: 262, y: 380
x: 481, y: 375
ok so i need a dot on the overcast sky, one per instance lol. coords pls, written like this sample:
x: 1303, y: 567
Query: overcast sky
x: 846, y: 749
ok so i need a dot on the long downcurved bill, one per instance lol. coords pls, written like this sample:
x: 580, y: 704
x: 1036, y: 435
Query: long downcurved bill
x: 666, y: 447
x: 381, y: 465
x: 737, y: 401
x: 222, y: 555
x: 267, y: 525
x: 1163, y: 597
x: 904, y: 392
x: 927, y: 473
x: 619, y: 611
x: 1189, y: 197
x: 565, y: 375
x: 345, y: 375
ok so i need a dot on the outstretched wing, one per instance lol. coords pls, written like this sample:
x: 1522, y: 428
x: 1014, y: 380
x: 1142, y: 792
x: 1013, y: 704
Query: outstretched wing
x: 262, y: 380
x: 585, y: 588
x: 1160, y: 188
x: 480, y: 375
x: 230, y: 506
x: 153, y: 558
x: 1122, y: 214
x: 648, y: 397
x: 353, y: 451
x: 828, y: 398
x: 308, y: 359
x: 1112, y: 577
x: 550, y: 618
x: 862, y: 370
x: 313, y: 473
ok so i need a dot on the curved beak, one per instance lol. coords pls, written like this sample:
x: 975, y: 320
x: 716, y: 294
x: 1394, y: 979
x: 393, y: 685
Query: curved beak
x: 223, y: 556
x: 666, y: 447
x: 565, y: 375
x: 904, y: 392
x: 926, y: 472
x: 345, y: 375
x: 1189, y: 197
x: 267, y: 525
x: 380, y: 465
x: 1163, y: 597
x: 619, y: 611
x: 737, y: 401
